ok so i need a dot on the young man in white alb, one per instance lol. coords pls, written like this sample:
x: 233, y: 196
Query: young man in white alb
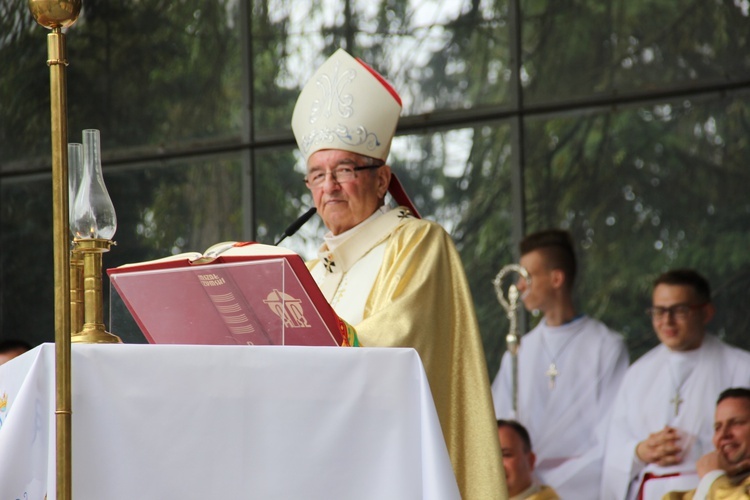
x: 569, y: 369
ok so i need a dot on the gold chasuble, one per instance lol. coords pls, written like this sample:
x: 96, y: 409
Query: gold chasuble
x: 722, y: 488
x: 401, y: 283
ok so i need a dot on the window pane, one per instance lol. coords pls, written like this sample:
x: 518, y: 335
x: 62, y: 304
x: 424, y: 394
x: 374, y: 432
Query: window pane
x: 643, y: 190
x: 183, y: 206
x: 438, y: 55
x: 144, y: 73
x: 280, y: 197
x: 161, y: 210
x: 27, y: 292
x: 586, y: 48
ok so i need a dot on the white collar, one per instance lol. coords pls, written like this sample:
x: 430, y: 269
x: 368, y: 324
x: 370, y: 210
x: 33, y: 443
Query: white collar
x: 332, y: 241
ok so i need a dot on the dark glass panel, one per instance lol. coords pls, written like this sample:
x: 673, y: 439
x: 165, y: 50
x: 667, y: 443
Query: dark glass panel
x: 26, y: 262
x: 161, y: 210
x: 581, y: 49
x: 146, y: 73
x: 280, y: 197
x: 183, y: 206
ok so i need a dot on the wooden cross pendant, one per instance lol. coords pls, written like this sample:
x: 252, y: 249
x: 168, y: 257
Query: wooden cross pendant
x: 552, y: 373
x: 676, y: 401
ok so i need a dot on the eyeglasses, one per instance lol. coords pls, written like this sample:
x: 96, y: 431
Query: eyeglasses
x: 677, y: 311
x: 341, y: 174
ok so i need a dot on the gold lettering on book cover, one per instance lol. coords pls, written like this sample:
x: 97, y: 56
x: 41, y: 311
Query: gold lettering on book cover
x: 288, y: 309
x: 227, y: 305
x: 211, y: 280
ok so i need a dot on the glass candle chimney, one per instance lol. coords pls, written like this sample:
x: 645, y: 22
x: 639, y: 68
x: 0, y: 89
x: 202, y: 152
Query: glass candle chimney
x: 93, y: 212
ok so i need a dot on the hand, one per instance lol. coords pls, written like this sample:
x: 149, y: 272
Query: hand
x: 660, y: 448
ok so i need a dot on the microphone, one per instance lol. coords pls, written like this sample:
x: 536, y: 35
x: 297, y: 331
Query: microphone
x: 294, y: 226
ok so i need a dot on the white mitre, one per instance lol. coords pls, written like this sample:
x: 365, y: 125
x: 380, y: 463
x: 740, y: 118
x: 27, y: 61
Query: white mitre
x: 346, y: 105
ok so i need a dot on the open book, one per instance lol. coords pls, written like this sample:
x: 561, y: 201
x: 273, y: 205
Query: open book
x: 234, y: 293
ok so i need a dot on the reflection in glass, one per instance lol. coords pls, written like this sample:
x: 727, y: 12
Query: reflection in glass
x: 617, y: 48
x: 75, y: 174
x: 438, y: 55
x: 644, y: 189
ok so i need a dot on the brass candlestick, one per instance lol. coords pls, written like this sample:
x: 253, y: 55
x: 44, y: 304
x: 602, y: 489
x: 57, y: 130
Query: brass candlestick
x: 57, y: 15
x: 93, y: 331
x: 93, y: 222
x: 76, y: 292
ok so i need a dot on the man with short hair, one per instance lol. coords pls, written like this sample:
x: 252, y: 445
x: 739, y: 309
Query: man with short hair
x: 396, y: 278
x: 725, y: 471
x: 569, y: 369
x: 662, y: 420
x: 518, y: 462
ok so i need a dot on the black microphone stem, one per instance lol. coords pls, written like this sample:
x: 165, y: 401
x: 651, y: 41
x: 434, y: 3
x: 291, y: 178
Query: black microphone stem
x: 294, y: 226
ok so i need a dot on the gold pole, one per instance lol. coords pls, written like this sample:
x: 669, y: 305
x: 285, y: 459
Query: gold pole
x: 63, y: 412
x: 56, y: 15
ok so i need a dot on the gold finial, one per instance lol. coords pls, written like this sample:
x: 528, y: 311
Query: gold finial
x: 55, y: 14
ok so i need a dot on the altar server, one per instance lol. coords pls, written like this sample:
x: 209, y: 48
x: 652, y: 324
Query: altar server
x: 569, y: 369
x: 662, y: 420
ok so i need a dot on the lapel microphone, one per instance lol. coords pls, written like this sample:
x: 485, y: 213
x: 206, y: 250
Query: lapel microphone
x: 294, y: 226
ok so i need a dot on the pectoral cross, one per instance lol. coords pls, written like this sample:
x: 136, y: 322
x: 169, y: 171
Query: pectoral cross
x: 552, y: 373
x: 676, y: 401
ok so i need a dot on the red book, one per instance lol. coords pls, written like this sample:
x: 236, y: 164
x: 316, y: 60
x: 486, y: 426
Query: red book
x: 235, y: 293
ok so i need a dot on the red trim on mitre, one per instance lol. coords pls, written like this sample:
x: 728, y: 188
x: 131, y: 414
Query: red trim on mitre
x: 395, y: 188
x: 382, y: 80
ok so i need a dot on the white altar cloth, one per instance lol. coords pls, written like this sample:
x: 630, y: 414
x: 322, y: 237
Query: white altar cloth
x: 226, y: 422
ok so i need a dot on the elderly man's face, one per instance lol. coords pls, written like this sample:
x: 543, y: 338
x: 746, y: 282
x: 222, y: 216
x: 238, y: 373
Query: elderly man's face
x: 344, y: 205
x: 732, y: 430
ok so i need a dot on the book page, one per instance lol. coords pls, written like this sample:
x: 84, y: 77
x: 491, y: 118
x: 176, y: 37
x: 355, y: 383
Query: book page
x: 180, y: 257
x: 223, y: 249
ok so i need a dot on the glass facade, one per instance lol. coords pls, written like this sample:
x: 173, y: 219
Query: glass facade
x: 624, y: 122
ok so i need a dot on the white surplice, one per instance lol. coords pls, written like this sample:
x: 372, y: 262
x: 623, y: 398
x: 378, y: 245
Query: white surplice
x: 567, y: 423
x: 645, y: 404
